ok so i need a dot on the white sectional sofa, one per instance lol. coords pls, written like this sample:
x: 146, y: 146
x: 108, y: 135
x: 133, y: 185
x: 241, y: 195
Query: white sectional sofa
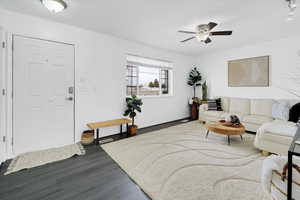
x: 273, y: 135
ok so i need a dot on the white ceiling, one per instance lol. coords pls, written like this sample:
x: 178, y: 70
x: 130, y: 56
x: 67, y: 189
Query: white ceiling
x: 155, y: 22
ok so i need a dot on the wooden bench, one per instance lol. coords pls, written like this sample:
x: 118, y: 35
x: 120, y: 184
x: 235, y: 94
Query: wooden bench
x: 109, y: 123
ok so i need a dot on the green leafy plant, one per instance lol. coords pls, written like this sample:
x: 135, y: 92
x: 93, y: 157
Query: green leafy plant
x: 133, y: 104
x: 194, y: 79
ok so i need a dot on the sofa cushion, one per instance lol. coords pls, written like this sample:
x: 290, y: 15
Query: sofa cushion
x: 280, y: 127
x: 261, y: 107
x: 280, y: 110
x: 277, y: 139
x: 214, y: 104
x: 256, y: 119
x: 227, y: 114
x: 225, y: 103
x: 238, y: 105
x: 216, y: 114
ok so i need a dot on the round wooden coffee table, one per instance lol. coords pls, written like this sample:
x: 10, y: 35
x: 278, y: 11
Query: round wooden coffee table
x: 224, y: 129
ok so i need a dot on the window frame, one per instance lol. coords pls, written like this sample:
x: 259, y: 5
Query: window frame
x: 169, y: 80
x: 132, y: 77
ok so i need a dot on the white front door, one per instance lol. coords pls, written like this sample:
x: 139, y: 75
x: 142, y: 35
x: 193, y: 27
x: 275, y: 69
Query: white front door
x: 2, y: 98
x: 43, y: 94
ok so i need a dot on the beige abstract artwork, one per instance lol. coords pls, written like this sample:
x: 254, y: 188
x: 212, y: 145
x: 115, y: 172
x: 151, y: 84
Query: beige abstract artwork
x: 249, y: 72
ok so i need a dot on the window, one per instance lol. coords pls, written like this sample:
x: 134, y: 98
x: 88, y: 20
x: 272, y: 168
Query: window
x: 165, y: 81
x: 131, y: 79
x: 148, y: 77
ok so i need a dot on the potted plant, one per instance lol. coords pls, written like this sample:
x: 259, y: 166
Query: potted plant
x: 133, y: 104
x: 194, y: 79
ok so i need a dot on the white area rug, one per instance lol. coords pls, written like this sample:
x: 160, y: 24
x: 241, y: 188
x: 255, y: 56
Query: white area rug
x: 38, y: 158
x: 179, y: 163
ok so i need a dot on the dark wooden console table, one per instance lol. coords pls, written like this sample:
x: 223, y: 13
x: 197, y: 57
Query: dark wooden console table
x: 293, y: 151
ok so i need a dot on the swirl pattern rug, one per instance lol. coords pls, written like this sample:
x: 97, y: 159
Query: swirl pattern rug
x: 179, y: 163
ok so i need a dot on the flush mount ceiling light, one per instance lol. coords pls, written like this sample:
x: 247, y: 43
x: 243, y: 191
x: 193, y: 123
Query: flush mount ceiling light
x: 292, y: 8
x: 54, y: 5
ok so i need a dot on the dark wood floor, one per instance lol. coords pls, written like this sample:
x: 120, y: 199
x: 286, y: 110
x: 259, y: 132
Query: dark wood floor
x: 94, y: 176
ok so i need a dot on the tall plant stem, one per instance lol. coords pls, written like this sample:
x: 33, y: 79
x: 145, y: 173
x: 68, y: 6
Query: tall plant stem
x: 194, y: 91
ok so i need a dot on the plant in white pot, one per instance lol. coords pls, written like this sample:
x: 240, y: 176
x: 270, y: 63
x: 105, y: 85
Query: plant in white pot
x: 133, y: 104
x: 194, y: 79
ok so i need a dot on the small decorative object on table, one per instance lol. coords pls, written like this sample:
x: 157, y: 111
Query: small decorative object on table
x: 87, y: 137
x: 133, y: 104
x: 233, y: 119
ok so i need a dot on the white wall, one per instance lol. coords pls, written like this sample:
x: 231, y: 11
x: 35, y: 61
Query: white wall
x: 284, y: 60
x: 100, y: 72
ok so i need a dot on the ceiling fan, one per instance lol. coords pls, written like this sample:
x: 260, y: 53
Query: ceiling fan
x: 204, y: 31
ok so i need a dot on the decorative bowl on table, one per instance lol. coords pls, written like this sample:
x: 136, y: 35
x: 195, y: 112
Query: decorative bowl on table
x: 231, y: 121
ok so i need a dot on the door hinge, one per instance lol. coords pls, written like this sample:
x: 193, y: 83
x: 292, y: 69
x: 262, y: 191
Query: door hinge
x: 3, y: 45
x: 4, y: 139
x: 3, y: 92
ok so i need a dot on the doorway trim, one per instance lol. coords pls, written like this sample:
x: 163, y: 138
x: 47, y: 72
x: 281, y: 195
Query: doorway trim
x: 3, y: 90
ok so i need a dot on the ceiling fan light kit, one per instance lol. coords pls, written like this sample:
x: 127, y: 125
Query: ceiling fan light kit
x: 203, y: 32
x: 54, y: 6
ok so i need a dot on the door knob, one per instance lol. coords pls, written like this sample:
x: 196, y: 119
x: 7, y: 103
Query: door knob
x: 70, y: 98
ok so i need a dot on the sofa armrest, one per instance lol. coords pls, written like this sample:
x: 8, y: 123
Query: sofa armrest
x: 203, y: 108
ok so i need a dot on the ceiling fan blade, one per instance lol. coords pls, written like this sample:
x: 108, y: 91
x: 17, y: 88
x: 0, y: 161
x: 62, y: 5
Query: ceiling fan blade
x: 208, y: 40
x: 189, y: 32
x: 212, y: 25
x: 188, y: 39
x: 221, y: 33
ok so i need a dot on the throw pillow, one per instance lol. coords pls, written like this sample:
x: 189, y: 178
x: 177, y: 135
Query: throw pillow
x: 214, y: 104
x: 295, y: 113
x: 280, y: 110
